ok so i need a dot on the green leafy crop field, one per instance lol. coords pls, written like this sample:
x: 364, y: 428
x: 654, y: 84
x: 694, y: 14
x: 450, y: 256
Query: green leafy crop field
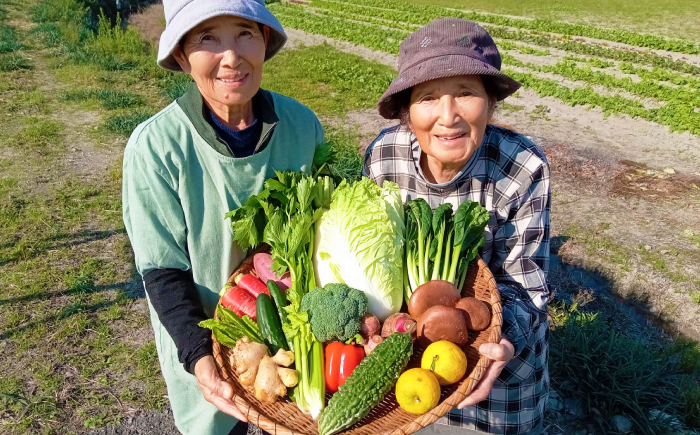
x: 381, y: 25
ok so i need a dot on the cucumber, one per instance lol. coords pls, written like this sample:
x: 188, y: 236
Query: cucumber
x: 279, y: 298
x: 270, y: 325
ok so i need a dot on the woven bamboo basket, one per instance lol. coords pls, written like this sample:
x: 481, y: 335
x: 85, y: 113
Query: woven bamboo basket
x: 284, y: 417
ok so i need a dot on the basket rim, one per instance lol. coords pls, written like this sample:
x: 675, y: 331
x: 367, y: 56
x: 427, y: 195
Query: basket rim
x: 420, y: 421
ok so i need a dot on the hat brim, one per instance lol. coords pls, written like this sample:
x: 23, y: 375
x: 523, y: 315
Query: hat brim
x: 442, y: 67
x: 193, y: 14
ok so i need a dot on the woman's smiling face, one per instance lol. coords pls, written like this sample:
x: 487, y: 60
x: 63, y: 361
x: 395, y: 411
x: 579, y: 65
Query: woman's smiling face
x: 225, y: 55
x: 449, y: 117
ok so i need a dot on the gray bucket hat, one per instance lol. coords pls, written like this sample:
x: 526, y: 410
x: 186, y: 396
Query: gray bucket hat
x: 446, y: 47
x: 183, y: 15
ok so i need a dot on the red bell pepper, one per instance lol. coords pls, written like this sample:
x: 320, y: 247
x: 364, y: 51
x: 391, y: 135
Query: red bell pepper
x: 341, y: 360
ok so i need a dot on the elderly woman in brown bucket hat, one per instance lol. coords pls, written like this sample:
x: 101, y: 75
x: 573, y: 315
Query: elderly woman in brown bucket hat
x: 444, y: 150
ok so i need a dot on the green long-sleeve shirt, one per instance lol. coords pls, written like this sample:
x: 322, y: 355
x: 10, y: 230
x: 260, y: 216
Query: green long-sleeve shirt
x: 178, y: 184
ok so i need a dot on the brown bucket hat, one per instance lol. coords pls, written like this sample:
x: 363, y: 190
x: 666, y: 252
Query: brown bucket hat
x: 446, y: 47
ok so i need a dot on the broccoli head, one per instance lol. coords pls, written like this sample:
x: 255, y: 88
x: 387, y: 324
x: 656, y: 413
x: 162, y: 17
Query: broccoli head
x: 335, y: 311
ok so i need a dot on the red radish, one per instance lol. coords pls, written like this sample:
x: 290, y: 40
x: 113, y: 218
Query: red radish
x: 263, y: 267
x: 239, y: 301
x: 252, y: 285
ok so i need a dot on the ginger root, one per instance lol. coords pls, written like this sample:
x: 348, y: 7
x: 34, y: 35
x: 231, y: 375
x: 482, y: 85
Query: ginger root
x: 268, y: 375
x: 246, y: 359
x: 283, y: 358
x: 289, y: 377
x: 268, y: 385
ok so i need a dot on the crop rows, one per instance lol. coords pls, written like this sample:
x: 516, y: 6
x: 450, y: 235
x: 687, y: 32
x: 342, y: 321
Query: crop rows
x: 678, y: 111
x: 645, y: 89
x: 660, y: 75
x: 398, y: 30
x: 384, y: 22
x: 580, y: 48
x: 676, y: 115
x: 592, y: 61
x: 362, y: 34
x: 404, y: 28
x: 404, y: 19
x: 428, y: 13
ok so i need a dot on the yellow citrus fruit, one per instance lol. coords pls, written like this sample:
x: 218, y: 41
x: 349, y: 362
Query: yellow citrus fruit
x: 450, y: 361
x: 417, y: 391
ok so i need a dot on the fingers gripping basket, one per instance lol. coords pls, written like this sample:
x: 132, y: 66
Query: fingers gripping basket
x: 284, y: 418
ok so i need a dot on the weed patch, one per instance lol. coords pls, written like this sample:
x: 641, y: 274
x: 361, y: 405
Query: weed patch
x: 174, y: 84
x: 49, y: 33
x: 31, y: 101
x: 340, y: 81
x: 346, y: 162
x: 126, y: 123
x: 8, y: 39
x: 109, y: 99
x: 112, y: 48
x: 13, y: 62
x: 42, y: 134
x: 614, y: 374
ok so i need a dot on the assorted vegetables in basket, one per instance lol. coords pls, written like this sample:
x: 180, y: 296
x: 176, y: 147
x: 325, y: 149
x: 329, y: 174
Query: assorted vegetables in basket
x: 343, y: 260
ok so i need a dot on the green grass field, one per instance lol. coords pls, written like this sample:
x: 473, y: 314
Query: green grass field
x: 677, y: 18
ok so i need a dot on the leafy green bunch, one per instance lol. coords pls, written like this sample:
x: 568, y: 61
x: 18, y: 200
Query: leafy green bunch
x: 283, y: 215
x: 440, y: 244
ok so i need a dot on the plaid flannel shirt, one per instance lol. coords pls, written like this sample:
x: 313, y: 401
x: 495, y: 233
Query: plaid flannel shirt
x: 508, y: 175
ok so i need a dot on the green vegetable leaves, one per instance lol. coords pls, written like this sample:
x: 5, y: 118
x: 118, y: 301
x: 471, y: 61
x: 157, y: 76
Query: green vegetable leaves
x: 440, y: 245
x: 284, y: 215
x: 229, y: 327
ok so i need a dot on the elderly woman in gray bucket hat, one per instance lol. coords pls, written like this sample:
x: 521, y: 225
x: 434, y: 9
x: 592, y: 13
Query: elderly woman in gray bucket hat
x: 445, y: 150
x: 203, y: 155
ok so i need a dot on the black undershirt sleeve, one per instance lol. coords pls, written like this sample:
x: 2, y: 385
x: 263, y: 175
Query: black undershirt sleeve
x: 176, y: 301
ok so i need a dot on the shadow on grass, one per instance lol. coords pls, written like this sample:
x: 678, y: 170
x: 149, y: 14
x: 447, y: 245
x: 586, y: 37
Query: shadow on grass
x: 610, y: 374
x: 55, y: 242
x: 606, y: 361
x: 65, y: 312
x: 569, y: 278
x: 134, y: 294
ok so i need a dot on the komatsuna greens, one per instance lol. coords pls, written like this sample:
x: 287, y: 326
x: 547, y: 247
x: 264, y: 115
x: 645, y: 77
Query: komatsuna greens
x: 440, y: 244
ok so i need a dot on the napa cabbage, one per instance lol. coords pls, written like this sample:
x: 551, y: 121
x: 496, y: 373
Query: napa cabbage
x: 359, y: 242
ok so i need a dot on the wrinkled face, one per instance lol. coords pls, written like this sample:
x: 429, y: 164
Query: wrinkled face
x: 449, y: 117
x: 224, y: 55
